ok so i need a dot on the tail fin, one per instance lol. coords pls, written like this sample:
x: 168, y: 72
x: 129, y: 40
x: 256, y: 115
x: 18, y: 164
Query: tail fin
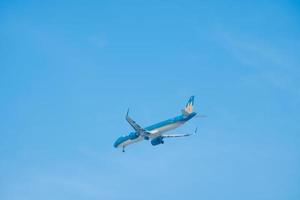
x: 189, y: 106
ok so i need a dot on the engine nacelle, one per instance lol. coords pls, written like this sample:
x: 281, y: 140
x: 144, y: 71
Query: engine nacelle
x: 156, y: 141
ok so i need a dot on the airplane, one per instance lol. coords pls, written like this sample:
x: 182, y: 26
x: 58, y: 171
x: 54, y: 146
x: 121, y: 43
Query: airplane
x: 156, y: 132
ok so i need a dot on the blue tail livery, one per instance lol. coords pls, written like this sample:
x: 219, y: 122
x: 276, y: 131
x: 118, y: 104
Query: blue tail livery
x: 156, y: 132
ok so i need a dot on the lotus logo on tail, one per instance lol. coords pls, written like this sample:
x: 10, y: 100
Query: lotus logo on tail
x: 189, y: 105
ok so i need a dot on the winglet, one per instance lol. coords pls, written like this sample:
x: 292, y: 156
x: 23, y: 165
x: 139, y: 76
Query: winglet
x: 127, y: 113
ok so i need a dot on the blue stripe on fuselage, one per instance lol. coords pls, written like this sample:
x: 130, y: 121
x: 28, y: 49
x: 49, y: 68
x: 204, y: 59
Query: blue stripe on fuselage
x: 179, y: 118
x: 134, y: 135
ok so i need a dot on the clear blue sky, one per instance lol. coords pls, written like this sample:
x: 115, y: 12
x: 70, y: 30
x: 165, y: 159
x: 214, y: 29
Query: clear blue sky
x: 70, y: 69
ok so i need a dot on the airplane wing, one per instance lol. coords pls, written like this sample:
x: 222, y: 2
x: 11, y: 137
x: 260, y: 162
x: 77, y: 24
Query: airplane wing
x: 178, y: 135
x: 135, y: 126
x: 175, y: 135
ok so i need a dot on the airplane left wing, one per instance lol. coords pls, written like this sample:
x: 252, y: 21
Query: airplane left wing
x: 135, y: 126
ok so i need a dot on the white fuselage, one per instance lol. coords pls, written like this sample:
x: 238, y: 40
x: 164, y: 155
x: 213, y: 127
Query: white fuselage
x: 153, y: 133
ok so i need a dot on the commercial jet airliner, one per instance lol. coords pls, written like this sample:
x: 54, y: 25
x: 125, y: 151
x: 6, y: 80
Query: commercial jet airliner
x: 156, y: 132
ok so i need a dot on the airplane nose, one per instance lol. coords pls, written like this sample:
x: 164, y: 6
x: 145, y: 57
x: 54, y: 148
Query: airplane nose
x: 116, y: 143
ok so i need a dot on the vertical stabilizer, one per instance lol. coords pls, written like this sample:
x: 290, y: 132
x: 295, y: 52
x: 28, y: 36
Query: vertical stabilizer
x: 189, y: 106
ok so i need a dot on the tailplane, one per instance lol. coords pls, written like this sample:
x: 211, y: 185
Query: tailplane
x: 189, y: 106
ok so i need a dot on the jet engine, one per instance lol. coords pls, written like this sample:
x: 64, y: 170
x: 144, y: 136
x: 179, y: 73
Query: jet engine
x: 156, y: 141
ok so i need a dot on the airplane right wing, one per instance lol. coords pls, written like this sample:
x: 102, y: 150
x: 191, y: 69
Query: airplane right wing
x: 178, y: 135
x: 175, y: 135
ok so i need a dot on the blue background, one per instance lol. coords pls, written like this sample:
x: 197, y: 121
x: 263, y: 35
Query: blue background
x: 70, y: 69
